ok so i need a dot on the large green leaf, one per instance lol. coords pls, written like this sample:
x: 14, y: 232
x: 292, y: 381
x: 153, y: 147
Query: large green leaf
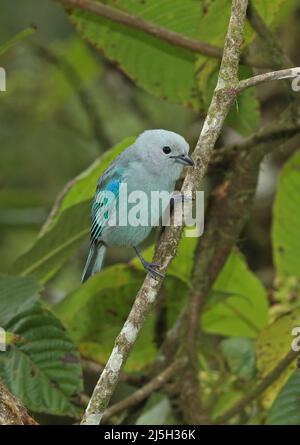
x: 41, y: 364
x: 286, y: 217
x: 157, y: 66
x: 273, y: 344
x: 286, y: 407
x: 243, y: 310
x: 214, y: 23
x: 70, y: 225
x: 84, y: 185
x: 164, y: 70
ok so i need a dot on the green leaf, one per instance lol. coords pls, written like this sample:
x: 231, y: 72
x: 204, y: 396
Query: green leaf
x: 83, y: 186
x: 226, y: 401
x: 70, y: 225
x: 156, y: 412
x: 286, y: 216
x: 162, y: 69
x: 16, y: 39
x: 181, y: 266
x: 270, y: 10
x: 240, y: 355
x: 244, y: 313
x: 273, y: 344
x: 157, y: 66
x: 286, y: 407
x: 41, y: 368
x: 95, y: 313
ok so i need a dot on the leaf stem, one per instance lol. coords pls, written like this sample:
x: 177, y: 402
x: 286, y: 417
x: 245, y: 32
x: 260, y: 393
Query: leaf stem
x: 17, y: 38
x: 174, y: 38
x: 290, y: 73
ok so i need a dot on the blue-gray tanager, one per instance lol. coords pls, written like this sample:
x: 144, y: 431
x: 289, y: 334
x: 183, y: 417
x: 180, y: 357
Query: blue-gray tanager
x: 153, y: 163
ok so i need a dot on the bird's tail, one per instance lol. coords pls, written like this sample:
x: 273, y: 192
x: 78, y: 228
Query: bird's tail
x: 94, y: 261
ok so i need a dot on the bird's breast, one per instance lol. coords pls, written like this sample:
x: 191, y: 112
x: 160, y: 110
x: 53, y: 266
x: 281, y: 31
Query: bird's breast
x: 141, y: 203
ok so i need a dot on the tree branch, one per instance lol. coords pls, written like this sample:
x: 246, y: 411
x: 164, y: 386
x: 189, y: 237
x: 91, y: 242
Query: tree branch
x: 174, y: 38
x: 290, y: 73
x: 144, y: 392
x: 166, y: 250
x: 259, y: 388
x: 124, y: 18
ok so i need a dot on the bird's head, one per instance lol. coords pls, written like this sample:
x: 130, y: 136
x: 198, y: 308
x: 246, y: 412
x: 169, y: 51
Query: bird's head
x: 164, y: 151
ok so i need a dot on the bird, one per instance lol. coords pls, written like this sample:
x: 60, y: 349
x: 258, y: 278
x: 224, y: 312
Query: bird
x: 154, y: 162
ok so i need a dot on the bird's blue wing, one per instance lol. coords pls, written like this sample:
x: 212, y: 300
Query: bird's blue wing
x: 104, y: 202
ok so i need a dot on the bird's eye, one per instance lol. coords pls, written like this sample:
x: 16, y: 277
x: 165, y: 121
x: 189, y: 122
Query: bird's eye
x: 166, y: 150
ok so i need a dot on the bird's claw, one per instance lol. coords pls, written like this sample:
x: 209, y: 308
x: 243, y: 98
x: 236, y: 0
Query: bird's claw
x: 180, y: 197
x: 151, y: 269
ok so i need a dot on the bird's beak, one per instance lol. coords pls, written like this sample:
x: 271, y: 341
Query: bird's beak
x: 183, y: 159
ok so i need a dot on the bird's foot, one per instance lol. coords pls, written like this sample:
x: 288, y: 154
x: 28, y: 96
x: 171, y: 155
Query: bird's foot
x: 181, y: 197
x: 151, y: 268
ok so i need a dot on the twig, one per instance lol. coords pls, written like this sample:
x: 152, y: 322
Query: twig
x: 273, y: 132
x: 17, y: 38
x: 97, y: 368
x: 124, y: 18
x: 167, y: 246
x: 259, y: 388
x: 144, y: 392
x: 174, y: 38
x: 289, y: 73
x: 289, y: 146
x: 12, y: 412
